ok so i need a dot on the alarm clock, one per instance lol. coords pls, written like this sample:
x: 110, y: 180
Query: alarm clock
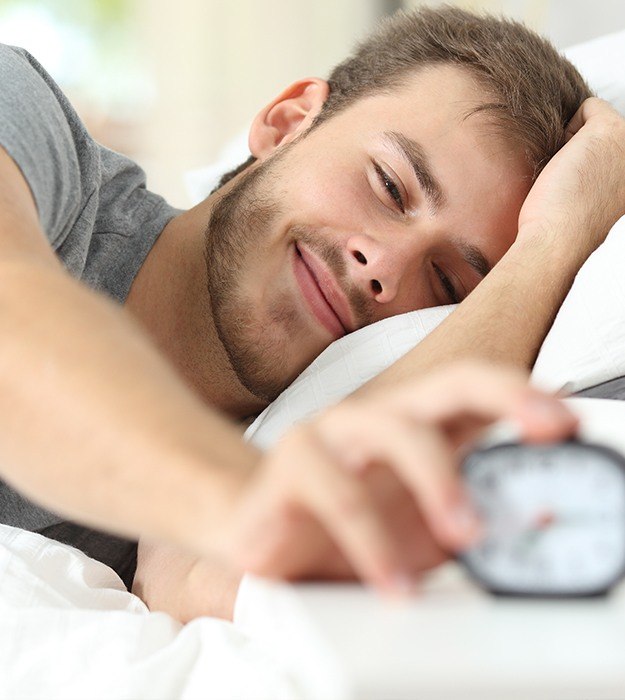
x: 553, y: 517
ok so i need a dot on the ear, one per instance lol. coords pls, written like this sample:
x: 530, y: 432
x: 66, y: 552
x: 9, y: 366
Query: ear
x: 290, y: 114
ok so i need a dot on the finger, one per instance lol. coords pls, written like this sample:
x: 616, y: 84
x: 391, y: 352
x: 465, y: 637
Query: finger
x: 341, y: 503
x: 591, y: 107
x: 464, y: 429
x: 576, y: 122
x: 423, y: 460
x: 488, y: 393
x: 432, y: 474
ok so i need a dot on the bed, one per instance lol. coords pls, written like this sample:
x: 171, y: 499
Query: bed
x: 71, y: 630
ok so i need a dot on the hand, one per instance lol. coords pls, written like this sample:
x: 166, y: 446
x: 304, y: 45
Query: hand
x: 581, y: 192
x: 370, y: 488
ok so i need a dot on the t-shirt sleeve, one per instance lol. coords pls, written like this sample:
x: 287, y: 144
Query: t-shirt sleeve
x: 41, y: 132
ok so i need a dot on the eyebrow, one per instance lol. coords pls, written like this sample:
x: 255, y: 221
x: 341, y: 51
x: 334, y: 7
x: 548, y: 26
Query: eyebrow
x: 474, y: 257
x: 413, y: 152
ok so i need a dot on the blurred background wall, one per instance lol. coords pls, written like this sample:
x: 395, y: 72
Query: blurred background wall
x: 170, y: 83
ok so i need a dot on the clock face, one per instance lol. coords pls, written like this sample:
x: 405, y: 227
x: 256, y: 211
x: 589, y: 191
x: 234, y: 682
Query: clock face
x: 554, y: 518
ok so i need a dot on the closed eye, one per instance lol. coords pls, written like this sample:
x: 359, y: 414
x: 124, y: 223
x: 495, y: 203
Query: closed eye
x: 390, y: 187
x: 448, y: 287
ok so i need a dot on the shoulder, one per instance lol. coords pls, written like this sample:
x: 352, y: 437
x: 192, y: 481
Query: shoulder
x: 18, y: 64
x: 42, y: 133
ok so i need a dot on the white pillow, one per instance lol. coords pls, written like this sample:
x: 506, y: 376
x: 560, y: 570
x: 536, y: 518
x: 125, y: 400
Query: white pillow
x: 342, y: 367
x: 585, y: 346
x: 601, y: 62
x: 200, y: 182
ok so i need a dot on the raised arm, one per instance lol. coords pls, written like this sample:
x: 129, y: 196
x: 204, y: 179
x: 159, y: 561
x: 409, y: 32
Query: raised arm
x: 573, y: 204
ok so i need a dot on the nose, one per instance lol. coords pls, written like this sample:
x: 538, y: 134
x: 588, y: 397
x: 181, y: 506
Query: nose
x: 376, y: 267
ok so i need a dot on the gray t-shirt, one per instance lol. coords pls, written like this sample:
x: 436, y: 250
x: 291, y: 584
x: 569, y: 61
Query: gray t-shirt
x: 99, y: 219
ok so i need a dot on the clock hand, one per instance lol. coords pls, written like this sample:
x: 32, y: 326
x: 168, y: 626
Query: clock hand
x: 529, y: 536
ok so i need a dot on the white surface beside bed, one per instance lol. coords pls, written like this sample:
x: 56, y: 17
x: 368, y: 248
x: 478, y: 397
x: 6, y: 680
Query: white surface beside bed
x: 453, y: 640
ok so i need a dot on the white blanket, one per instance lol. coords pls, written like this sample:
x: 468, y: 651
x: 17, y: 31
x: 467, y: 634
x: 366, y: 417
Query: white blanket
x: 69, y: 629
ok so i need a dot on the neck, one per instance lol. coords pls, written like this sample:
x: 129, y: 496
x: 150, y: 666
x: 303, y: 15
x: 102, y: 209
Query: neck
x: 169, y: 297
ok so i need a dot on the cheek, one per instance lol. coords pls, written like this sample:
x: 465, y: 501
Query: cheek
x: 329, y: 197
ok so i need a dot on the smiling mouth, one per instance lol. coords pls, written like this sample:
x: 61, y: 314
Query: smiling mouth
x: 316, y: 300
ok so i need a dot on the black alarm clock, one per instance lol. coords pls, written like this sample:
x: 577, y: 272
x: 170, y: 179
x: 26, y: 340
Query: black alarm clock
x: 553, y: 517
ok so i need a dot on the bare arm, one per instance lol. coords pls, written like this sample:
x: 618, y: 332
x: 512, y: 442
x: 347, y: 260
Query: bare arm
x: 93, y: 422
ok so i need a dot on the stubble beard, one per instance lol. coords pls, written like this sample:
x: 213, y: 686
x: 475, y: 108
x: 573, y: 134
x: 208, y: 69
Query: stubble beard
x: 243, y: 217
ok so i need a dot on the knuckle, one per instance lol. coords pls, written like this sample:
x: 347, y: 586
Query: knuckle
x: 348, y: 416
x: 265, y: 564
x: 350, y: 503
x: 597, y: 106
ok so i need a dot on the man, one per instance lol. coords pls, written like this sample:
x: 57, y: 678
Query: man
x: 395, y: 185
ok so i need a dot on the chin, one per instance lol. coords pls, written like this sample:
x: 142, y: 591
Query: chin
x: 267, y: 360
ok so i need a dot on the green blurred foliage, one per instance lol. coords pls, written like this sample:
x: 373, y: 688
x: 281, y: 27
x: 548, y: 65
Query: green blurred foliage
x: 93, y: 13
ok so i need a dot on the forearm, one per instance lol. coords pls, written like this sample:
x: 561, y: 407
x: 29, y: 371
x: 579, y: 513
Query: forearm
x: 505, y: 319
x: 94, y: 423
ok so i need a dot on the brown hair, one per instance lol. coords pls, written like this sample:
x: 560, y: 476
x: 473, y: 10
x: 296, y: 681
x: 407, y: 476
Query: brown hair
x: 532, y: 90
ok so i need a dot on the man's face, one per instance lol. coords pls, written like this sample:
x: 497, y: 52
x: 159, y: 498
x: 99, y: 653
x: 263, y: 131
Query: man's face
x: 395, y: 204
